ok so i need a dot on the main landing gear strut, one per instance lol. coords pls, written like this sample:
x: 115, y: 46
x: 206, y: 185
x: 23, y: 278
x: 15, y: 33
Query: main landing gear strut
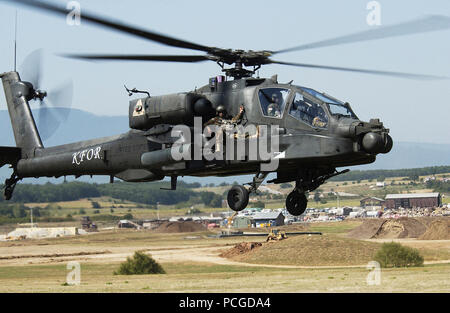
x: 296, y: 202
x: 10, y: 184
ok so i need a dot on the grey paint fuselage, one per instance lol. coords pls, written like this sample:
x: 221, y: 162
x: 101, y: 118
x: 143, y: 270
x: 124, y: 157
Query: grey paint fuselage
x: 304, y: 146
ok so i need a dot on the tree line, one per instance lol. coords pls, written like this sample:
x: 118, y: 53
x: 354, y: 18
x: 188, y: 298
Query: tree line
x: 439, y: 186
x: 412, y: 173
x: 147, y: 193
x: 151, y: 193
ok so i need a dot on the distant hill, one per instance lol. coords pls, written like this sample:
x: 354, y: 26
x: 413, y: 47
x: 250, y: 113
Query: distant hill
x: 411, y: 155
x: 82, y: 125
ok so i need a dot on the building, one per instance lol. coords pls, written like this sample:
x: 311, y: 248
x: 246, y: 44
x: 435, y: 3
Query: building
x: 371, y: 201
x: 127, y: 224
x: 268, y: 219
x: 413, y: 200
x: 242, y: 221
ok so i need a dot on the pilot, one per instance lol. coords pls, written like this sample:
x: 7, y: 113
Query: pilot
x: 295, y: 110
x: 320, y: 119
x: 274, y: 108
x: 304, y: 112
x: 300, y: 111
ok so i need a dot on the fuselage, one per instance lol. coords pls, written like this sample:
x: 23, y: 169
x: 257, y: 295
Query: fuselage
x: 314, y: 130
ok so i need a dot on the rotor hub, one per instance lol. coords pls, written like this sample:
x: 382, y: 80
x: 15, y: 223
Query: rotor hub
x: 40, y: 94
x: 239, y: 58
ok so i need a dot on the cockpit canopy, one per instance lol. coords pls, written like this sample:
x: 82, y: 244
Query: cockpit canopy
x: 308, y: 111
x: 273, y: 101
x: 335, y: 106
x: 307, y: 105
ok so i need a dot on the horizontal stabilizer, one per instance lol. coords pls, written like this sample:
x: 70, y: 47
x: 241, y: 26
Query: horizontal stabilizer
x: 9, y: 155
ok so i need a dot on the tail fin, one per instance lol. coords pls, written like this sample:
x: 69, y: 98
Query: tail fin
x: 17, y: 94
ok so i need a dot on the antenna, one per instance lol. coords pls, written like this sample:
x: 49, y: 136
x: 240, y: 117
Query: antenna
x: 15, y: 45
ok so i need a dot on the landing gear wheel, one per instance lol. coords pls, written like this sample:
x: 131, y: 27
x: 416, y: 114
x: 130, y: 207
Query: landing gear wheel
x: 296, y: 203
x: 237, y: 198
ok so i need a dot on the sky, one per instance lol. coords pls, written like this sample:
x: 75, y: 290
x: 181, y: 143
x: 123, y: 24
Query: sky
x: 414, y: 111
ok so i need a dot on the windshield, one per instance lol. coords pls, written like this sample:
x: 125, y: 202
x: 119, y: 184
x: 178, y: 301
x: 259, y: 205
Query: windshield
x: 273, y: 101
x: 308, y: 112
x: 341, y: 110
x: 321, y: 96
x: 337, y: 107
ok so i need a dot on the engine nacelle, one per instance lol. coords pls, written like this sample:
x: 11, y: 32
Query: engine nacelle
x: 180, y: 108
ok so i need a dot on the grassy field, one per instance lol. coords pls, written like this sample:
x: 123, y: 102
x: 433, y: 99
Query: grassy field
x: 195, y: 277
x: 335, y: 263
x: 188, y: 270
x: 110, y: 206
x: 335, y: 227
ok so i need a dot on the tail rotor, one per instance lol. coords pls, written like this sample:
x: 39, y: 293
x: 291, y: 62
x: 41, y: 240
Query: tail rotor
x: 54, y: 106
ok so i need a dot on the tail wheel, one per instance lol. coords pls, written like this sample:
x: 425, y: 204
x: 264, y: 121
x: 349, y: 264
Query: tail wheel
x: 237, y: 198
x: 8, y: 192
x: 296, y: 203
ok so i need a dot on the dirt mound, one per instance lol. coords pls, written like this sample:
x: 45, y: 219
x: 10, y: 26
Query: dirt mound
x: 311, y: 250
x: 427, y: 220
x: 401, y: 228
x: 180, y: 227
x: 240, y: 248
x: 437, y: 230
x: 389, y: 229
x: 367, y: 229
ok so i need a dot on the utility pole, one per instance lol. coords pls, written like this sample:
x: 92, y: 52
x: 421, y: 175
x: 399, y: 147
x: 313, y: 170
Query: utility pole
x: 157, y: 210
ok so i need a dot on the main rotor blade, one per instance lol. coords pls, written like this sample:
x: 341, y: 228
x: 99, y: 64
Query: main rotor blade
x: 124, y: 57
x: 153, y: 36
x: 373, y: 72
x: 427, y: 24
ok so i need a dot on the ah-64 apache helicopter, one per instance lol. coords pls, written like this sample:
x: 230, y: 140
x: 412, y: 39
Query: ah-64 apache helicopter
x: 316, y: 132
